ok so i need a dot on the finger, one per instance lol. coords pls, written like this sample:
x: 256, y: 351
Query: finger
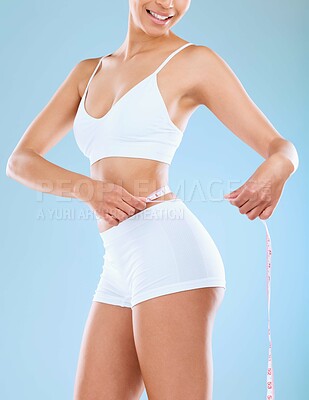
x: 140, y: 204
x: 133, y: 201
x: 257, y: 211
x: 119, y: 214
x: 248, y: 193
x: 108, y: 218
x: 266, y: 213
x: 125, y: 207
x: 249, y: 205
x: 241, y: 199
x: 111, y: 220
x: 113, y: 212
x: 234, y: 193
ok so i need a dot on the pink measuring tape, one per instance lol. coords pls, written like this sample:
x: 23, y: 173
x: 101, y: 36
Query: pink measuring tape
x: 157, y: 193
x: 270, y: 394
x: 270, y: 385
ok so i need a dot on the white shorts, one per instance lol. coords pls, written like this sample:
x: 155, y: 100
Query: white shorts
x: 160, y: 250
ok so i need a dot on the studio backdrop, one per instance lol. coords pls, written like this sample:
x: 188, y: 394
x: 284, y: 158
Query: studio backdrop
x: 51, y: 253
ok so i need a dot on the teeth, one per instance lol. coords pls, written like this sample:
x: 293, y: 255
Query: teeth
x: 158, y: 16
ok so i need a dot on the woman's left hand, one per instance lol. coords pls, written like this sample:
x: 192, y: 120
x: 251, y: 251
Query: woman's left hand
x: 260, y: 194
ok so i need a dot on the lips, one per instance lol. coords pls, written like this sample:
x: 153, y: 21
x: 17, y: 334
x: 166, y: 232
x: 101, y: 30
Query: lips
x: 158, y: 16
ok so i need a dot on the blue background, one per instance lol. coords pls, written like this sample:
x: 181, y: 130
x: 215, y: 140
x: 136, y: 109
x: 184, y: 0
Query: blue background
x: 50, y: 267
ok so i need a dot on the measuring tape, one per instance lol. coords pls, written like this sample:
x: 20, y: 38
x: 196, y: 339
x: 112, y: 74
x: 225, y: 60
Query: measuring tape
x: 157, y: 193
x: 270, y: 383
x: 270, y: 386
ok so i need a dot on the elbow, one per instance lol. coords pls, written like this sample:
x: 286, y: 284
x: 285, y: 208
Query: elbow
x: 11, y: 166
x: 15, y: 164
x: 20, y: 163
x: 293, y: 157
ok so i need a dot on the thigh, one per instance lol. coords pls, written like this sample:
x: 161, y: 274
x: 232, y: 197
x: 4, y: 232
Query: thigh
x: 173, y: 335
x: 108, y: 367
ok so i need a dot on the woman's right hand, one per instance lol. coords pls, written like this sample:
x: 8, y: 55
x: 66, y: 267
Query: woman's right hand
x: 111, y: 202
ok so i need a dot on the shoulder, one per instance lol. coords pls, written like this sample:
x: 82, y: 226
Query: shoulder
x: 202, y: 63
x: 83, y: 70
x: 209, y: 71
x: 202, y: 57
x: 87, y: 64
x: 197, y: 63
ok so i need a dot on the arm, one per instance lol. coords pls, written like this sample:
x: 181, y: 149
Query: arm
x: 28, y: 166
x: 219, y: 89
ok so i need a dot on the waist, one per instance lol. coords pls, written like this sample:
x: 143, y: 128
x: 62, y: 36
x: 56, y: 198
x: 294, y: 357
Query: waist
x: 139, y: 179
x: 159, y: 195
x: 131, y: 172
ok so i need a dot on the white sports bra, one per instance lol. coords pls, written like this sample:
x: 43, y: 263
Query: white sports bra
x: 138, y: 125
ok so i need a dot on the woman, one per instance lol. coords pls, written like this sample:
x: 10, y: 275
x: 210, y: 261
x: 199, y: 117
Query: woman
x: 151, y: 320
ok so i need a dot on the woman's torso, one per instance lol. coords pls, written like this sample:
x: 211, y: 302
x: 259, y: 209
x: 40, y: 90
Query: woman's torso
x: 115, y: 93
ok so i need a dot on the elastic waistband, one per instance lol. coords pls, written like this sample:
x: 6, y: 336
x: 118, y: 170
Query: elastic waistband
x: 139, y: 218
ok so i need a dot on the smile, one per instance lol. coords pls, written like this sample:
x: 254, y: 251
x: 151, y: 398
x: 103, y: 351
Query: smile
x: 159, y: 17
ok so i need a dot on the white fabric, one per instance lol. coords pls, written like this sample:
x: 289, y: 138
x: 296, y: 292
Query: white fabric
x: 159, y: 250
x: 138, y: 125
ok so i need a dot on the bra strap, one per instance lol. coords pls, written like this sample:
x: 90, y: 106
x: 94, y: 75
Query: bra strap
x: 95, y: 70
x: 171, y: 56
